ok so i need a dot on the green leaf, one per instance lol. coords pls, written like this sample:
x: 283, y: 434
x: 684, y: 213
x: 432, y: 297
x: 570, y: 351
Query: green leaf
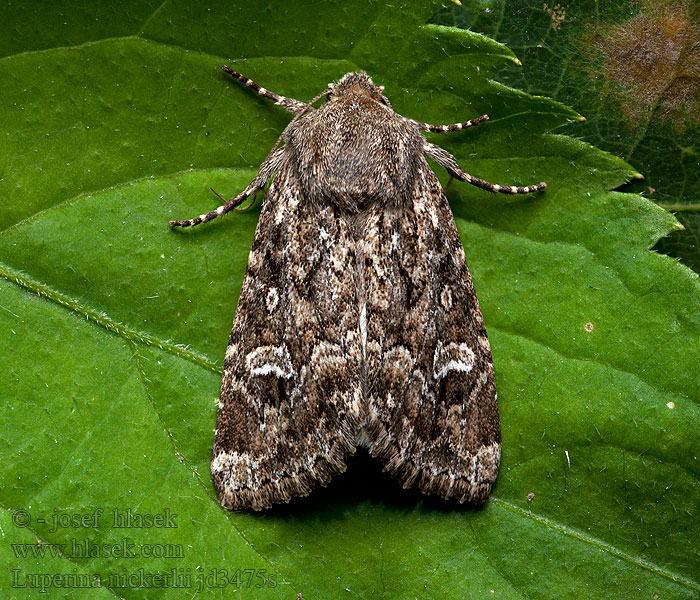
x: 117, y: 120
x: 630, y: 67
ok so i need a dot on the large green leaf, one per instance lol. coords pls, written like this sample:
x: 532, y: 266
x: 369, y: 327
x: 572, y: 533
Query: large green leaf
x: 631, y: 68
x: 118, y: 119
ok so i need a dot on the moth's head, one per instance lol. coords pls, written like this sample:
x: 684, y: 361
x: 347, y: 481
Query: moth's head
x: 358, y: 83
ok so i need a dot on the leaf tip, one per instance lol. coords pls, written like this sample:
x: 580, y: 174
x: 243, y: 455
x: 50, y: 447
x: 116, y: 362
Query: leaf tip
x: 637, y: 175
x: 457, y: 2
x: 680, y: 226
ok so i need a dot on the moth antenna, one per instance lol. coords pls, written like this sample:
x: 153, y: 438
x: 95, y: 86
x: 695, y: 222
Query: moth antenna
x: 219, y: 196
x: 449, y: 163
x: 267, y: 169
x: 247, y: 206
x: 453, y: 127
x: 292, y: 105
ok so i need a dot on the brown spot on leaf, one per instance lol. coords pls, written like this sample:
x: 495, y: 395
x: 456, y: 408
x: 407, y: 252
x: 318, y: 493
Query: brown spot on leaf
x: 588, y: 326
x: 557, y: 15
x: 653, y: 62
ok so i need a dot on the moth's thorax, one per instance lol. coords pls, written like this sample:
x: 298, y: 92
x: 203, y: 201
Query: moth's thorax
x: 358, y: 83
x: 354, y: 152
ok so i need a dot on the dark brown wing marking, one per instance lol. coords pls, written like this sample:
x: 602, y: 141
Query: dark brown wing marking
x: 290, y: 398
x: 433, y: 413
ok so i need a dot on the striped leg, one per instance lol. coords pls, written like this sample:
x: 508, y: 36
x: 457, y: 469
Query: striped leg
x: 453, y: 127
x: 293, y: 106
x: 267, y: 169
x: 448, y: 162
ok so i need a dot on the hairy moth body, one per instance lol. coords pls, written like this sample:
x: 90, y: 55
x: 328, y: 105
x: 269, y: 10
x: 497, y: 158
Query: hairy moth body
x: 357, y: 322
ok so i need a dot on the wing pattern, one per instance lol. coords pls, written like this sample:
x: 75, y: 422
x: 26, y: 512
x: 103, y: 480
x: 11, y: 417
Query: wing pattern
x: 357, y: 322
x: 290, y: 397
x: 433, y: 413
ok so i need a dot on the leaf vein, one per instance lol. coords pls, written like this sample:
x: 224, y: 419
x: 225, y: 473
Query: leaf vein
x: 579, y: 535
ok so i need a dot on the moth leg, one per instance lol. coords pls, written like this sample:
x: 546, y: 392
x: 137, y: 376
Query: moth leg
x: 448, y: 162
x: 293, y: 106
x: 267, y: 169
x: 445, y: 128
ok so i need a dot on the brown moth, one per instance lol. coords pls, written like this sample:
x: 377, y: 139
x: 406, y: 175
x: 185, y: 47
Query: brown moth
x: 357, y: 323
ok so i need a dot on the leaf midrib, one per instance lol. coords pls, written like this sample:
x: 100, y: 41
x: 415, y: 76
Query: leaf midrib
x: 589, y: 539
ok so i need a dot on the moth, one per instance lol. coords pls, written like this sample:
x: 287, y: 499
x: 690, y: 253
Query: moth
x: 357, y: 323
